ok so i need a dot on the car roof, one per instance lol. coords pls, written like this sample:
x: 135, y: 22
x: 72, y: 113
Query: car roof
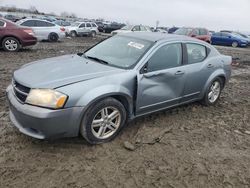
x: 155, y: 36
x: 36, y: 19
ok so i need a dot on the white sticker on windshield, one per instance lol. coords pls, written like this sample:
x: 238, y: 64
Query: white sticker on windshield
x: 136, y: 45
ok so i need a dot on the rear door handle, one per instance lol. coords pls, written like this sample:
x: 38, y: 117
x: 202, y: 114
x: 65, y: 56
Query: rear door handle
x: 179, y: 73
x: 210, y: 66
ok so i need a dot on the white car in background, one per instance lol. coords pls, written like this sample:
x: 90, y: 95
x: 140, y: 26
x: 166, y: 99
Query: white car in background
x: 83, y: 28
x: 44, y: 30
x: 132, y: 28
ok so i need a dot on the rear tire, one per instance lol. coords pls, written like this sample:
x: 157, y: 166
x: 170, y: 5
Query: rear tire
x: 93, y: 34
x: 103, y: 121
x: 11, y: 44
x: 213, y: 92
x: 53, y: 37
x: 73, y: 34
x: 235, y: 44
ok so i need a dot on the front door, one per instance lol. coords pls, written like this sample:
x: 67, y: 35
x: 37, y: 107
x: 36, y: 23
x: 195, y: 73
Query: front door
x: 161, y: 80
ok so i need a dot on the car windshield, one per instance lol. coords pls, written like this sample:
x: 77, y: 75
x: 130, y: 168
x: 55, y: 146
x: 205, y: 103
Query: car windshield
x: 183, y: 31
x: 120, y: 51
x: 127, y: 27
x: 237, y: 35
x: 75, y: 24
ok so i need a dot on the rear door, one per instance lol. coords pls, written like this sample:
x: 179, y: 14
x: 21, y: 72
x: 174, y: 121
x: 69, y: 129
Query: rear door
x: 161, y: 80
x: 88, y: 28
x: 197, y: 68
x: 226, y: 39
x: 217, y: 38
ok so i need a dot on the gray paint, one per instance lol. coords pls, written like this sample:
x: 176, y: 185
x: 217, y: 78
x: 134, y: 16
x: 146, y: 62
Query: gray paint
x: 86, y: 82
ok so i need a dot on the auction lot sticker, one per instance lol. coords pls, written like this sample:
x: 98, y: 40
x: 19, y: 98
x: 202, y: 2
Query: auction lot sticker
x: 136, y: 45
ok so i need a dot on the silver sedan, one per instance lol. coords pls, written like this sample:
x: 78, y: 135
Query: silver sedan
x: 126, y: 76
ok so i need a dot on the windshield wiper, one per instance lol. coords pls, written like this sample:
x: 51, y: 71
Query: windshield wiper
x: 96, y: 59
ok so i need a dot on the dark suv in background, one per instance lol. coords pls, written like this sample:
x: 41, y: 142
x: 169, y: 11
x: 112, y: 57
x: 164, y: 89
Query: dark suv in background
x: 108, y: 28
x: 14, y: 37
x: 199, y: 33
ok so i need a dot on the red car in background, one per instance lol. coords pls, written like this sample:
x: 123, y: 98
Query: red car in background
x: 199, y: 33
x: 14, y: 37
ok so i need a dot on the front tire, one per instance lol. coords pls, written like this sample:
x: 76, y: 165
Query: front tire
x: 11, y: 44
x: 213, y: 92
x: 93, y: 34
x: 103, y: 121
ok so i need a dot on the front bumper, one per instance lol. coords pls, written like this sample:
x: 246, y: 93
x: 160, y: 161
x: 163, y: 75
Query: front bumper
x: 42, y: 123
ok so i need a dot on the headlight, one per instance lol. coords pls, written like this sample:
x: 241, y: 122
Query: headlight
x: 46, y: 98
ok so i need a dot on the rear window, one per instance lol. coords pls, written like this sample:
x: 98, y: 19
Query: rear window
x: 94, y: 25
x: 1, y: 23
x: 196, y: 53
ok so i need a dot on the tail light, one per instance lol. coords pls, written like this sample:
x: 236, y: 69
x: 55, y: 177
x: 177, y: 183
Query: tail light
x: 62, y: 29
x: 29, y: 31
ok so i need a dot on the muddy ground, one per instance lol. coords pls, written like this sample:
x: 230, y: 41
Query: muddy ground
x: 189, y: 146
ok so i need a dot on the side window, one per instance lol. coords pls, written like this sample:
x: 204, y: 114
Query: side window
x: 50, y: 24
x: 41, y: 23
x: 136, y: 28
x: 143, y: 28
x: 88, y: 25
x: 225, y: 34
x: 196, y: 53
x: 29, y: 23
x: 195, y: 32
x: 203, y: 32
x: 168, y: 56
x: 93, y: 25
x: 1, y: 24
x: 82, y: 25
x: 217, y: 34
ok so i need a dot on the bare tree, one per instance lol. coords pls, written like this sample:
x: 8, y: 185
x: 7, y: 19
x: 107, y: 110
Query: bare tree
x: 64, y: 14
x: 34, y: 9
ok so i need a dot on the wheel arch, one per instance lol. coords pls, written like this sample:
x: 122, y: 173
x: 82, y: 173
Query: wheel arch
x: 6, y: 36
x: 217, y: 74
x: 120, y: 93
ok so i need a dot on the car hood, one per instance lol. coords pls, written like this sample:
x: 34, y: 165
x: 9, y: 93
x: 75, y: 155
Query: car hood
x: 122, y: 31
x: 60, y: 71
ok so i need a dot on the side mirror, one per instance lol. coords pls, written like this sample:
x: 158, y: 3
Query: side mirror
x: 144, y: 69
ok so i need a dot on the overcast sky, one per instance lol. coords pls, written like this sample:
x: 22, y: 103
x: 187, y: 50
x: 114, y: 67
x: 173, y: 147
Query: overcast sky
x: 212, y: 14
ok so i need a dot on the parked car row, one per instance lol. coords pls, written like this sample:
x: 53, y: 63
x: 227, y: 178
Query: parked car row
x: 44, y: 30
x: 224, y: 37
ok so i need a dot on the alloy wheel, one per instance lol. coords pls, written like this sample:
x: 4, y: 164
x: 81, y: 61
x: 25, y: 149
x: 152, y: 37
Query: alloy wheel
x: 106, y: 122
x: 11, y: 45
x: 214, y: 91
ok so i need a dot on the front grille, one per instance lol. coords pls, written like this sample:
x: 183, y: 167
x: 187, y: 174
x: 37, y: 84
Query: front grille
x: 20, y: 91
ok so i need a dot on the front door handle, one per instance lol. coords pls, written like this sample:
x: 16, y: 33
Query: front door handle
x: 179, y: 73
x: 152, y: 74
